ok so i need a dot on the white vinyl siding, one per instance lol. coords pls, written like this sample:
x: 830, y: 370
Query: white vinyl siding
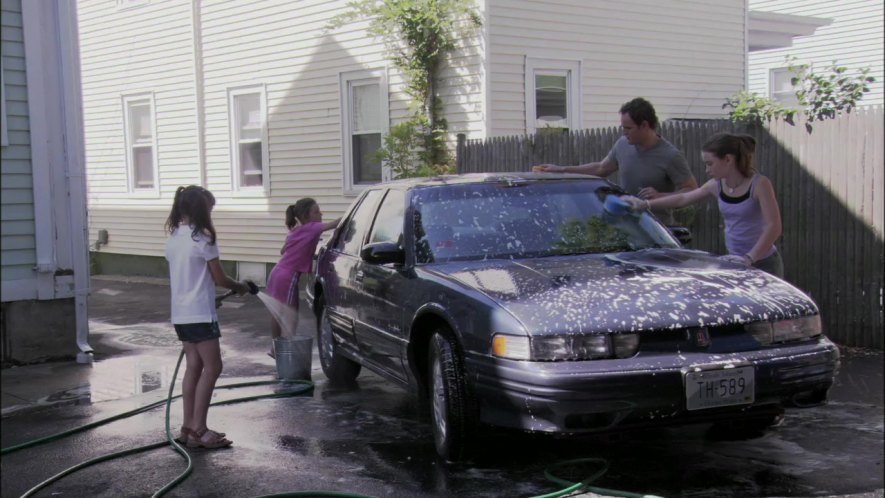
x: 16, y: 202
x: 686, y: 57
x: 282, y: 46
x: 140, y: 133
x: 248, y: 138
x: 854, y: 38
x: 132, y: 51
x: 4, y: 133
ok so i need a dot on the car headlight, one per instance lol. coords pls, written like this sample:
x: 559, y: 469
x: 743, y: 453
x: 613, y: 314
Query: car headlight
x: 792, y: 329
x: 625, y: 345
x: 565, y: 347
x: 513, y: 347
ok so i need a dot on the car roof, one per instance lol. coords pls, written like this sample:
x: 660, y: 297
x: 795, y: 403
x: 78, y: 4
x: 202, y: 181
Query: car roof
x: 468, y: 178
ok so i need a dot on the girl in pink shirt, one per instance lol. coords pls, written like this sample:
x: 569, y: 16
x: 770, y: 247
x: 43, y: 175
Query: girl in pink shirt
x: 305, y: 222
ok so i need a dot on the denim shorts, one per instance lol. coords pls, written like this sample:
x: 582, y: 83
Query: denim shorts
x: 197, y: 332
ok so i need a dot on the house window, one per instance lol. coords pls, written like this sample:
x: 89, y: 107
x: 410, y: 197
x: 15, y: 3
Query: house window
x: 248, y: 111
x: 365, y: 121
x: 553, y: 94
x: 141, y: 147
x: 781, y: 88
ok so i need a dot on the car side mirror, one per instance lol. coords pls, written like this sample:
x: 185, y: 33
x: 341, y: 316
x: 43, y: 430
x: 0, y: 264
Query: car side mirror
x: 682, y: 234
x: 381, y: 253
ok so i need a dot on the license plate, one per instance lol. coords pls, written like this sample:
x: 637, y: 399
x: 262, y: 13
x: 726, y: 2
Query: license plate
x: 719, y: 387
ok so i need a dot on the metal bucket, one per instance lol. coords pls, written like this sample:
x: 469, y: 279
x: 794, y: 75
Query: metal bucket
x: 294, y: 356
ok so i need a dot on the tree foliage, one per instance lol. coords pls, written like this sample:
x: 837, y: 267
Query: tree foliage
x: 821, y: 95
x: 418, y: 35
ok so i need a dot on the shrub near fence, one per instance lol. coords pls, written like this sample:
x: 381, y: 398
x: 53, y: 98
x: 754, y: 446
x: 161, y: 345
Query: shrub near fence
x: 829, y: 186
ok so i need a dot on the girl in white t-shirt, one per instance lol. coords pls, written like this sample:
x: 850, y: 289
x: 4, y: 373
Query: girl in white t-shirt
x: 194, y: 271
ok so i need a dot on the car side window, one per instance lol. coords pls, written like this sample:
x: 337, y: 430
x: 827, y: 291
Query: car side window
x: 388, y: 225
x: 357, y: 225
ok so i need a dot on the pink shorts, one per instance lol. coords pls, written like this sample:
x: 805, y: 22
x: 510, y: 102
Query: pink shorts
x: 283, y: 286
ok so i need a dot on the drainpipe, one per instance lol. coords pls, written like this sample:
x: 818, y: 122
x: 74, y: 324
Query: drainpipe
x: 75, y: 162
x: 37, y: 45
x: 746, y: 61
x: 199, y: 105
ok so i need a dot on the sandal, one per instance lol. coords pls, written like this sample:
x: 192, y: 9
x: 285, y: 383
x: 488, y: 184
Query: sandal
x: 186, y: 433
x: 207, y: 438
x: 183, y: 435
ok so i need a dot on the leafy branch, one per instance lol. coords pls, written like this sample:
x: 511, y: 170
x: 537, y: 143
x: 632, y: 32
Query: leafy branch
x: 418, y: 35
x: 821, y: 95
x: 827, y: 95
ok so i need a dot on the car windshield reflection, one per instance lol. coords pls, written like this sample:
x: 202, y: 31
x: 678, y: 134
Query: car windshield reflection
x: 526, y: 220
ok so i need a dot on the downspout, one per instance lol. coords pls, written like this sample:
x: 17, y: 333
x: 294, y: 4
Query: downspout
x: 746, y: 45
x: 75, y: 161
x: 486, y: 72
x: 199, y: 104
x: 35, y: 40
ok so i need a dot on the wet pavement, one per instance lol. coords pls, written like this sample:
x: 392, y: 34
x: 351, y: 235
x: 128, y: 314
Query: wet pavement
x: 373, y: 439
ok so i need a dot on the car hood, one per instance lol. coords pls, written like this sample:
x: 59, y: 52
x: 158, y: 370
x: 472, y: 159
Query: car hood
x: 642, y: 290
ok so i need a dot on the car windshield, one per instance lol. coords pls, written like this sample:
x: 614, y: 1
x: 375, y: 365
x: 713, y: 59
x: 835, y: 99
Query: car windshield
x: 525, y: 219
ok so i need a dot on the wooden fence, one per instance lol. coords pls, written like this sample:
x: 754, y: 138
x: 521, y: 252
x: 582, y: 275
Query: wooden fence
x: 829, y: 186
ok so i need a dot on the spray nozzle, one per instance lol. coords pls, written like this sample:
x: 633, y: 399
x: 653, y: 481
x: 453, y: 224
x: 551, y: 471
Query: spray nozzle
x: 253, y: 289
x: 222, y: 297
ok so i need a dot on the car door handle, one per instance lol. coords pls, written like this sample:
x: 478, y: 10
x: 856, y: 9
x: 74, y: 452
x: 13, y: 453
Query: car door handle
x: 359, y: 276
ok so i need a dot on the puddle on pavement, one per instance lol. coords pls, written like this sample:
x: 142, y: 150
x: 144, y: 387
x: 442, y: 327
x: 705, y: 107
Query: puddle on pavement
x: 113, y: 379
x: 125, y: 377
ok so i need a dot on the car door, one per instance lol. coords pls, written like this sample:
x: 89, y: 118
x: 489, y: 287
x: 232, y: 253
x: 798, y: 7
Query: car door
x: 344, y: 299
x: 381, y: 337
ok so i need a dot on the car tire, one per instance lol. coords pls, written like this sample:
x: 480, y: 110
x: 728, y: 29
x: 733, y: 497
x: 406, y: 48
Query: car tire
x: 452, y: 413
x: 338, y: 369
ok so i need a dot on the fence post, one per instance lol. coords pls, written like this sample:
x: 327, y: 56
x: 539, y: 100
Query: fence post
x: 459, y: 152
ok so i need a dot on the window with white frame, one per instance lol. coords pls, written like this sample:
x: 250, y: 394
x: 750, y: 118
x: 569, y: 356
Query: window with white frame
x: 141, y: 145
x: 365, y: 121
x: 248, y: 111
x: 781, y: 87
x: 553, y: 94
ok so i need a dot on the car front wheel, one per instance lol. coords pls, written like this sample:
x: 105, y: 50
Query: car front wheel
x: 451, y: 404
x: 337, y: 368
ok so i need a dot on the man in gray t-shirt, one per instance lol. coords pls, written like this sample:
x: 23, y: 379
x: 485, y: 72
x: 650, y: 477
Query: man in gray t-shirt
x: 650, y: 167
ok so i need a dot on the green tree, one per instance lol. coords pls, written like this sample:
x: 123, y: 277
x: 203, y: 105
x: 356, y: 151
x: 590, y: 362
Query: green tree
x: 821, y: 95
x: 418, y: 35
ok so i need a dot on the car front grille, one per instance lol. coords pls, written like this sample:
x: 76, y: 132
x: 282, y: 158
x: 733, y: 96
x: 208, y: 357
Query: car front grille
x: 718, y: 339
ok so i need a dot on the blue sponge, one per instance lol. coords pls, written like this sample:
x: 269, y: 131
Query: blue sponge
x: 615, y: 205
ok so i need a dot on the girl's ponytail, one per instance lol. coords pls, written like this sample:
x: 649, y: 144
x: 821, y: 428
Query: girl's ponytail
x: 175, y: 215
x: 291, y: 220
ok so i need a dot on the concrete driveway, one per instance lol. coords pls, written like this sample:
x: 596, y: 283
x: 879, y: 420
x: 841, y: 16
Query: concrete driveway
x: 373, y: 439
